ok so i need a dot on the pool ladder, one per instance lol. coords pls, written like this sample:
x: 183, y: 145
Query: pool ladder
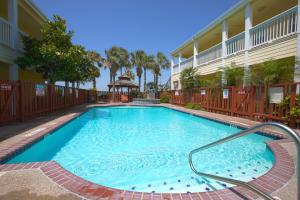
x: 292, y: 134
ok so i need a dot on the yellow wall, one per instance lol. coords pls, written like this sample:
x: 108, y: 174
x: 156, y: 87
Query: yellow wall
x: 26, y: 75
x: 4, y: 71
x: 237, y: 59
x: 212, y: 67
x: 276, y: 50
x: 3, y: 9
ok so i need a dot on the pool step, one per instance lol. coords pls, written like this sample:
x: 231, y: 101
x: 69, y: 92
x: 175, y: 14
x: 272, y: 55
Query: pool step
x: 248, y: 171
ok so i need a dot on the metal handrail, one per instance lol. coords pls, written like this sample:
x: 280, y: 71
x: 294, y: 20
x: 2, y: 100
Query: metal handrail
x: 293, y: 135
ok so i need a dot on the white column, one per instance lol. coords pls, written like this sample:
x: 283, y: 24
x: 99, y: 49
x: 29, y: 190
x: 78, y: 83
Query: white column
x: 224, y: 49
x: 13, y: 20
x: 172, y: 72
x: 297, y: 57
x: 13, y: 72
x: 248, y: 26
x: 195, y: 54
x: 224, y: 37
x: 179, y: 68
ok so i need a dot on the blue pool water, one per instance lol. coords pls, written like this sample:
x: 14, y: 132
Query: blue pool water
x: 146, y: 149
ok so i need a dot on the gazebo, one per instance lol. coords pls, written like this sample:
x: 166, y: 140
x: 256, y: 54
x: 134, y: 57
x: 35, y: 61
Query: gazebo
x: 123, y: 82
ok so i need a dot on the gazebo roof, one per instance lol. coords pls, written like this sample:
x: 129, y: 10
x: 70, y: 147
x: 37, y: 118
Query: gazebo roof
x: 124, y: 81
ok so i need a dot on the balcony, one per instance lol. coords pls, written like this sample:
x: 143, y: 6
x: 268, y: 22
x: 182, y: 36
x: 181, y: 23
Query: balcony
x: 278, y: 28
x: 235, y: 44
x: 6, y: 35
x: 187, y: 63
x: 209, y: 55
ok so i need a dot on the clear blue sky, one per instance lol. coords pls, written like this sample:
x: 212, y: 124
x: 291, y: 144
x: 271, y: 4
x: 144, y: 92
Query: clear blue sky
x: 151, y: 25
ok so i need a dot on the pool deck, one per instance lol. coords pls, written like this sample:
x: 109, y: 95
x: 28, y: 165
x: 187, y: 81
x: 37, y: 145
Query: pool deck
x: 48, y: 180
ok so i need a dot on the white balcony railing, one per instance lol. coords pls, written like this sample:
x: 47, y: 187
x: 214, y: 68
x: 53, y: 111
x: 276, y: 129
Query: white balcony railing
x: 187, y: 63
x: 279, y: 26
x: 5, y: 33
x: 210, y: 54
x: 176, y: 69
x: 235, y: 44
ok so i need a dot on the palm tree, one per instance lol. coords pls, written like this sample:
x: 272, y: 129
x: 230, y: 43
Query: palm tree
x: 188, y: 78
x: 156, y: 73
x: 95, y: 60
x: 107, y: 65
x: 138, y: 59
x: 116, y: 57
x: 150, y: 64
x: 162, y: 63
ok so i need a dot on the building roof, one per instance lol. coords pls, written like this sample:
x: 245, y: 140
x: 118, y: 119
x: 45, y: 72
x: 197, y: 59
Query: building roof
x: 124, y: 81
x: 37, y: 9
x: 204, y: 30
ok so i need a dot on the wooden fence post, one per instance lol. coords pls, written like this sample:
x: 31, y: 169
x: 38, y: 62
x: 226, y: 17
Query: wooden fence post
x: 292, y: 121
x: 50, y: 98
x: 252, y: 101
x: 233, y: 96
x: 22, y: 99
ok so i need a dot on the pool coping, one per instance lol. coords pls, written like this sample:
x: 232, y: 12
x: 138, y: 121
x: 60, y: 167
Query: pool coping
x: 274, y: 179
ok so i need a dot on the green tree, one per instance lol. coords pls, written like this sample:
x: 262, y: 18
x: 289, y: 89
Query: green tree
x: 189, y: 78
x: 162, y: 64
x: 74, y: 64
x: 156, y: 73
x: 116, y: 57
x: 138, y: 59
x: 94, y: 62
x: 234, y: 75
x: 273, y: 72
x: 151, y: 65
x: 49, y: 55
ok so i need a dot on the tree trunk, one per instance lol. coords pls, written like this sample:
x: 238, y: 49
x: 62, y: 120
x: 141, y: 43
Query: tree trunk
x: 110, y: 76
x: 156, y: 85
x: 145, y: 80
x: 66, y: 83
x: 94, y: 83
x: 73, y: 84
x: 140, y: 84
x: 114, y: 89
x: 154, y: 81
x: 78, y: 84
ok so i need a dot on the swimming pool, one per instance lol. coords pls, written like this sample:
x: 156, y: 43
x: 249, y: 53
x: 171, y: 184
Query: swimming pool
x: 146, y: 149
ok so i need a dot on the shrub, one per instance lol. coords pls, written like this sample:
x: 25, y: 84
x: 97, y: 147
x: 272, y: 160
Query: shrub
x: 234, y: 75
x: 193, y: 106
x: 273, y: 72
x: 189, y: 78
x: 165, y: 97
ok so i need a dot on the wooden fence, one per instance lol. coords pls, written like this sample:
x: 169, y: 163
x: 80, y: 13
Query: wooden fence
x: 21, y: 100
x: 262, y: 103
